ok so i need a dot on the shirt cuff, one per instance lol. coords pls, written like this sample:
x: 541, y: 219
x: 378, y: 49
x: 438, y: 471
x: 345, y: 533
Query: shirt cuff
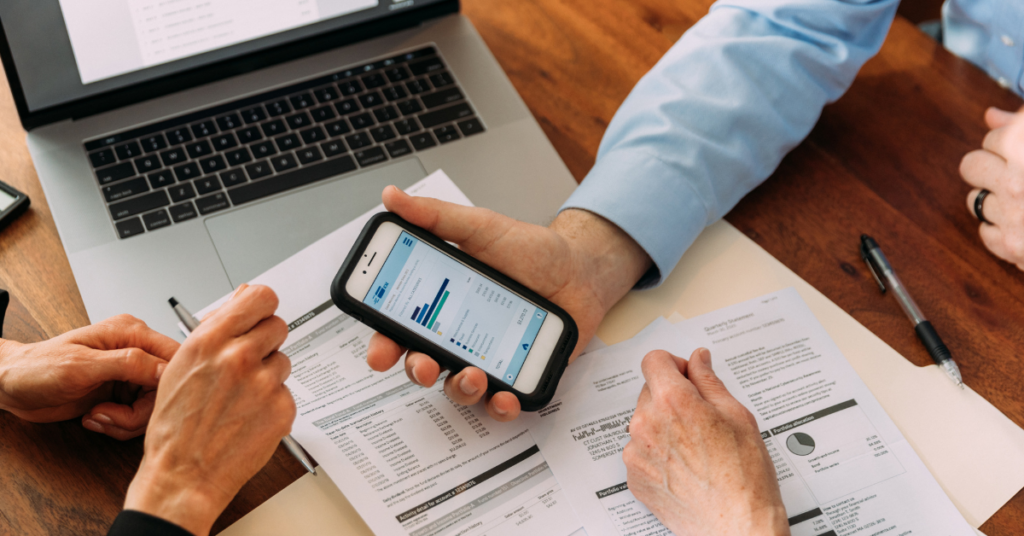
x: 649, y: 200
x: 135, y: 523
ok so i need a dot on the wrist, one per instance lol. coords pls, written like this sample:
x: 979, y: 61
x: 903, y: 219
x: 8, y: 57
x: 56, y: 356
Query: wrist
x: 7, y: 348
x: 771, y: 521
x: 182, y: 499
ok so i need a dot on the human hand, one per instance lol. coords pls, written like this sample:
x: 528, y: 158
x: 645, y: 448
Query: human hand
x: 582, y: 262
x: 107, y: 372
x: 695, y: 456
x: 221, y: 410
x: 999, y: 168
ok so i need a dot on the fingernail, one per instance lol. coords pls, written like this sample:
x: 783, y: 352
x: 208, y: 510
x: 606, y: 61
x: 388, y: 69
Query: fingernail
x: 159, y: 371
x: 93, y: 426
x: 500, y: 411
x: 416, y: 376
x: 101, y: 418
x: 705, y: 355
x: 467, y: 386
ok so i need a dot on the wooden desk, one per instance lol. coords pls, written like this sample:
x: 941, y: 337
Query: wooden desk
x: 883, y: 160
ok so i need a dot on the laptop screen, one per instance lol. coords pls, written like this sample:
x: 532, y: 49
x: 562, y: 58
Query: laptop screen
x: 67, y: 50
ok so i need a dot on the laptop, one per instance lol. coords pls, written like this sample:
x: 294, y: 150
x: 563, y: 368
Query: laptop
x: 186, y: 146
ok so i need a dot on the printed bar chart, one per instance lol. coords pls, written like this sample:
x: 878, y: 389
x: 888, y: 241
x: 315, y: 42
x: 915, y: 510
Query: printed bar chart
x: 430, y: 312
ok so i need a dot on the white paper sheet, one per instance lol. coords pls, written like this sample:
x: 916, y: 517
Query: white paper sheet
x: 411, y: 461
x: 843, y: 466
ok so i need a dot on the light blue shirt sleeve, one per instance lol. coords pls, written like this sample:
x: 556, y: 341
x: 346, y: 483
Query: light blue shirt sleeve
x: 715, y: 116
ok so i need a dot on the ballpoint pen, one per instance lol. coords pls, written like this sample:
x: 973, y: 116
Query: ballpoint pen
x: 886, y: 278
x: 288, y: 441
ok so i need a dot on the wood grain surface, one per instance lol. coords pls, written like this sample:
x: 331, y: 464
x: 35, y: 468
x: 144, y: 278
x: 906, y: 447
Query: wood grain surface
x: 883, y: 160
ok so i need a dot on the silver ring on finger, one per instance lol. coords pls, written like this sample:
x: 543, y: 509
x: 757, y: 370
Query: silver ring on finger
x: 979, y: 203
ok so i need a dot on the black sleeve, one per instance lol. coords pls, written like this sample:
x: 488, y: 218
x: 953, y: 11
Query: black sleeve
x: 132, y: 523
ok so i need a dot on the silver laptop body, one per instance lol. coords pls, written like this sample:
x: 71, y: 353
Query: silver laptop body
x: 130, y: 256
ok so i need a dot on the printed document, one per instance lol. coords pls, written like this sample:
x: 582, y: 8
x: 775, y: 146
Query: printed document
x: 842, y: 465
x: 412, y: 462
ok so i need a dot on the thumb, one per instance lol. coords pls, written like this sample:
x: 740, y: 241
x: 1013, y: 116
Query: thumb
x: 130, y: 365
x: 472, y: 228
x: 705, y: 380
x: 120, y: 421
x: 996, y: 118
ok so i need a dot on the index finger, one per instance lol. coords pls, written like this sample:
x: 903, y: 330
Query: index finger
x: 664, y: 371
x: 249, y: 306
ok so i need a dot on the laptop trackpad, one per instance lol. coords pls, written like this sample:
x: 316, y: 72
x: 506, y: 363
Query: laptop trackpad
x: 254, y: 239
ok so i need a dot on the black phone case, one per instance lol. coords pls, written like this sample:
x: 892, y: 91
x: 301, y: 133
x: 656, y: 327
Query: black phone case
x: 367, y: 315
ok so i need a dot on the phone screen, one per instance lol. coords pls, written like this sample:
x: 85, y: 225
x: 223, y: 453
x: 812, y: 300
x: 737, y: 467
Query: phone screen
x: 457, y: 308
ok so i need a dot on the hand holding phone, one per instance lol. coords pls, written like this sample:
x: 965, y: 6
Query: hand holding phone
x: 559, y: 263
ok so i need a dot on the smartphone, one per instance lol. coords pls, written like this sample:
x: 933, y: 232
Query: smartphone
x: 429, y: 296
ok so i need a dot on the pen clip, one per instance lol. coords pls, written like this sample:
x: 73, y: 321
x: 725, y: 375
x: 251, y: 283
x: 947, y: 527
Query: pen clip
x: 875, y: 271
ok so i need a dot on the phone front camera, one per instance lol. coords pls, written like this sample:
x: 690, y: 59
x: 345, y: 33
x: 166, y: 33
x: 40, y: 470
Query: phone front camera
x: 364, y: 271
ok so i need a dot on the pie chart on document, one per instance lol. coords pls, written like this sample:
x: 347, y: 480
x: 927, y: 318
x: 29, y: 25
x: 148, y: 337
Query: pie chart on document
x: 800, y: 444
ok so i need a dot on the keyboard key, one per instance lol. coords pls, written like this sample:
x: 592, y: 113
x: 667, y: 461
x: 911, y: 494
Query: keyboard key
x: 371, y: 99
x: 371, y: 156
x: 397, y: 74
x: 394, y: 93
x: 407, y: 126
x: 382, y: 133
x: 102, y: 158
x: 446, y: 115
x: 358, y: 140
x: 253, y: 115
x: 238, y: 157
x: 173, y: 156
x: 277, y: 108
x: 204, y: 129
x: 263, y: 149
x: 229, y: 122
x: 398, y: 148
x: 233, y: 178
x: 385, y: 114
x: 323, y: 113
x: 333, y: 148
x: 182, y: 212
x: 128, y: 151
x: 470, y: 127
x: 337, y: 128
x: 428, y: 65
x: 213, y: 164
x: 361, y: 121
x: 156, y: 220
x: 347, y: 106
x: 187, y: 171
x: 181, y: 192
x: 313, y: 135
x: 153, y: 143
x: 249, y: 135
x: 286, y: 143
x: 148, y: 163
x: 224, y: 142
x: 326, y: 94
x: 129, y: 228
x: 284, y: 162
x: 125, y: 189
x: 374, y: 80
x: 199, y: 149
x: 440, y: 98
x: 206, y: 185
x: 178, y: 136
x: 110, y: 174
x: 441, y: 79
x: 447, y: 133
x: 300, y: 177
x: 161, y: 179
x: 258, y: 170
x: 418, y: 86
x: 422, y: 141
x: 299, y: 120
x: 273, y: 128
x: 308, y: 155
x: 410, y: 107
x: 213, y: 203
x: 304, y: 100
x: 138, y: 205
x: 350, y: 87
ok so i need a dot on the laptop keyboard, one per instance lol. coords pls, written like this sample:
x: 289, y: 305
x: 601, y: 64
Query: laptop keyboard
x: 203, y: 162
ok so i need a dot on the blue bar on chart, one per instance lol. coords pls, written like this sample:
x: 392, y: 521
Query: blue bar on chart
x: 415, y: 314
x: 423, y: 313
x: 434, y: 304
